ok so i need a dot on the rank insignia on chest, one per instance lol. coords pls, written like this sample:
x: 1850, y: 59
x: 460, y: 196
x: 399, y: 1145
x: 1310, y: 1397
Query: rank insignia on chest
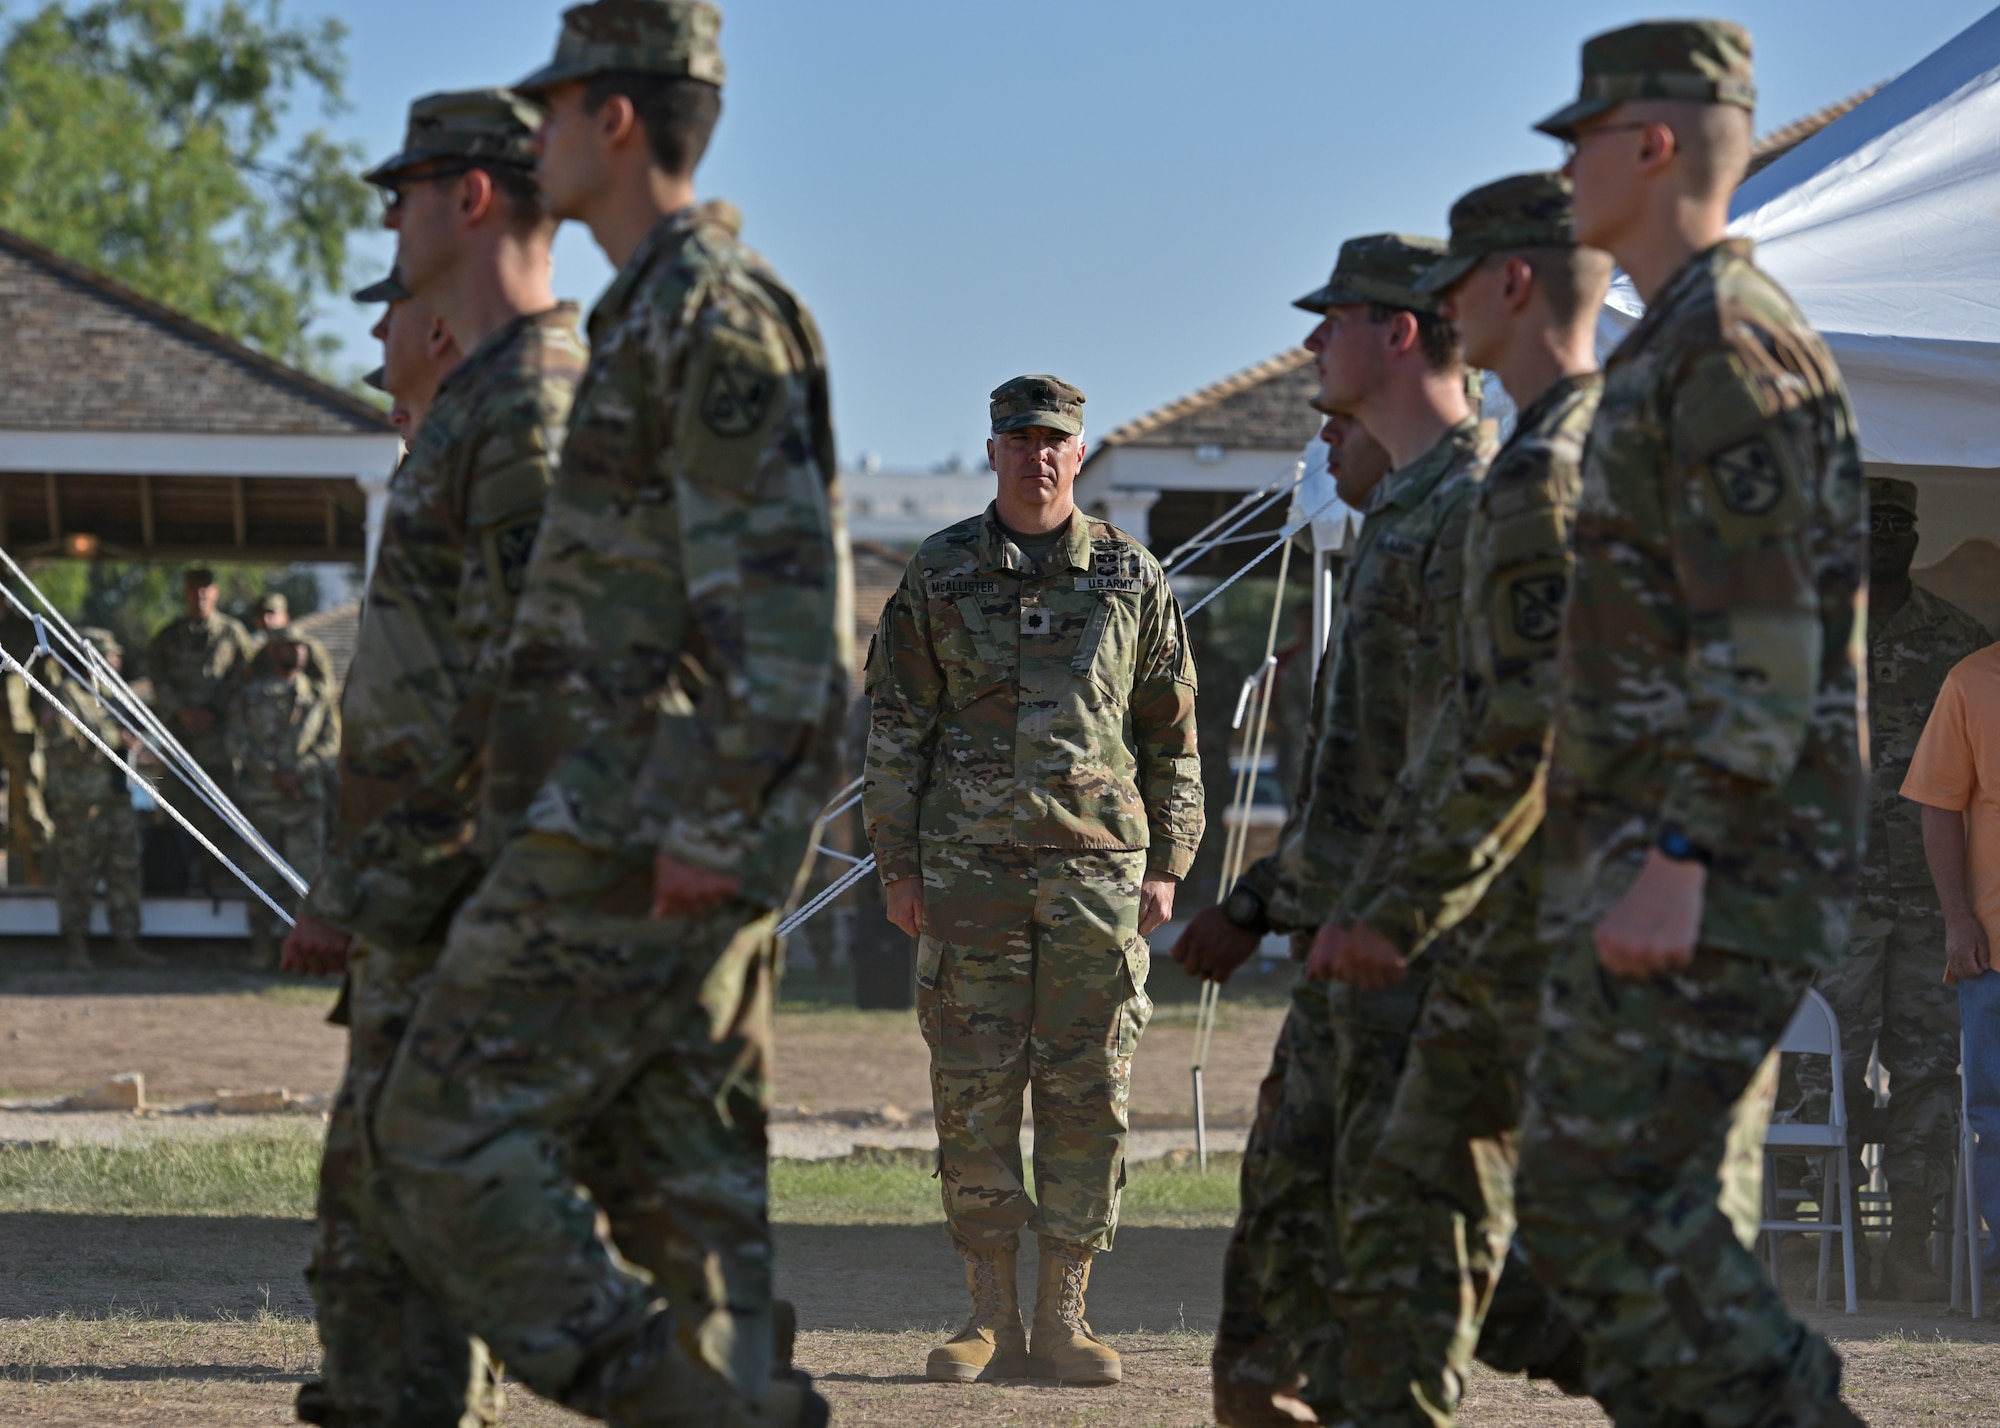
x: 1883, y: 671
x: 1035, y: 620
x: 1537, y: 602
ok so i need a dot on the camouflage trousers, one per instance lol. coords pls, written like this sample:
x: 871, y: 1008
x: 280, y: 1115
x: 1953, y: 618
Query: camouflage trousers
x: 1430, y: 1216
x: 574, y: 1126
x: 393, y: 1357
x: 97, y: 842
x: 203, y: 870
x: 1888, y: 992
x: 1278, y: 1329
x: 296, y: 833
x: 1031, y: 981
x: 28, y: 828
x: 1633, y: 1111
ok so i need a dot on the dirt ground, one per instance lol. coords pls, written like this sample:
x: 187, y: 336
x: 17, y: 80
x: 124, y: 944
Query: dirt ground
x: 193, y: 1032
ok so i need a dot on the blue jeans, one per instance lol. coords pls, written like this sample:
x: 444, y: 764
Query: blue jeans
x: 1979, y: 1013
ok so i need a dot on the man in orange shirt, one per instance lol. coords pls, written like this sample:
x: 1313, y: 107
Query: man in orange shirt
x: 1956, y: 777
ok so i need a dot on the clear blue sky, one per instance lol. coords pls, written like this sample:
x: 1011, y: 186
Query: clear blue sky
x: 1126, y: 194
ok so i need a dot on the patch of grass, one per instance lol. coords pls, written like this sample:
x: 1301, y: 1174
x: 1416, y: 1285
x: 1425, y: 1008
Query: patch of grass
x: 896, y: 1187
x: 257, y: 1173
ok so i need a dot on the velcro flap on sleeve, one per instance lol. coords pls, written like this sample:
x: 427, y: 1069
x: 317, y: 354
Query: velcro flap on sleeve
x: 738, y: 388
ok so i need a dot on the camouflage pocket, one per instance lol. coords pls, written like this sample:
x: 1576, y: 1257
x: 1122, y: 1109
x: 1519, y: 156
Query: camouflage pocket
x: 1137, y: 1009
x: 930, y: 961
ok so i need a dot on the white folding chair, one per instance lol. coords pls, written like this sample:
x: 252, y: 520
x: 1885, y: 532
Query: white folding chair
x: 1814, y: 1031
x: 1965, y: 1234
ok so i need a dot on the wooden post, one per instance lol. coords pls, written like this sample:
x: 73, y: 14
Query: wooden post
x: 241, y: 512
x: 332, y: 518
x: 145, y: 513
x: 55, y: 507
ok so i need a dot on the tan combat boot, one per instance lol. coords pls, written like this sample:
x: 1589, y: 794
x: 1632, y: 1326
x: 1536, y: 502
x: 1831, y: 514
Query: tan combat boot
x: 1065, y: 1349
x: 992, y: 1344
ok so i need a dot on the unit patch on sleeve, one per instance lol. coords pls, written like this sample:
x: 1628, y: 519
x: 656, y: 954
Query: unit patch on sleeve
x: 512, y: 547
x: 1747, y: 478
x: 1537, y: 602
x: 737, y: 398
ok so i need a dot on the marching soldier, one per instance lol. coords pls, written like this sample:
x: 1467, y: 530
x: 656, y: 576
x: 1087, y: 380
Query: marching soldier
x: 96, y: 830
x: 283, y: 736
x: 195, y: 664
x: 1034, y: 794
x: 667, y: 730
x: 1708, y: 786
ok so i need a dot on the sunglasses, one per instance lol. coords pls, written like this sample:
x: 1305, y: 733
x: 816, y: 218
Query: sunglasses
x: 1890, y: 523
x: 392, y: 194
x: 1584, y: 136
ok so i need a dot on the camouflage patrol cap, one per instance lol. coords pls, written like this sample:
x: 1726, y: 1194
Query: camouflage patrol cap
x: 100, y: 639
x: 675, y: 39
x: 1707, y: 61
x: 378, y: 379
x: 196, y: 576
x: 1382, y: 267
x: 273, y: 603
x: 1525, y: 211
x: 1037, y: 400
x: 470, y: 126
x: 389, y: 289
x: 1888, y: 491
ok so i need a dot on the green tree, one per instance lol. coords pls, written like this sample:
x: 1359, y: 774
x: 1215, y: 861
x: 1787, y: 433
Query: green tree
x: 145, y: 146
x: 135, y: 600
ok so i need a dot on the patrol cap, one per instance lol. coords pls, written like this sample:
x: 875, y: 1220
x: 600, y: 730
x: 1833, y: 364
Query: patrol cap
x: 196, y: 576
x: 1888, y: 491
x: 1037, y: 400
x: 378, y: 379
x: 272, y: 603
x: 470, y: 126
x: 1524, y: 211
x: 674, y: 39
x: 1707, y: 61
x: 1382, y: 267
x: 389, y: 289
x: 100, y: 639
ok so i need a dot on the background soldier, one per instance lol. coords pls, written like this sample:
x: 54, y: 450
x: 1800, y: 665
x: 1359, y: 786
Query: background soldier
x: 1889, y: 983
x: 195, y: 664
x: 1033, y: 795
x: 1708, y: 784
x: 96, y: 831
x: 473, y: 258
x: 417, y: 351
x: 283, y: 736
x: 21, y: 755
x: 274, y: 613
x: 667, y: 732
x: 1524, y: 298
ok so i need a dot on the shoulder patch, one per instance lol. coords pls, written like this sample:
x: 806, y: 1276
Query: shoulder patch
x: 1537, y: 606
x: 513, y: 547
x: 736, y: 398
x: 945, y: 587
x: 1748, y: 479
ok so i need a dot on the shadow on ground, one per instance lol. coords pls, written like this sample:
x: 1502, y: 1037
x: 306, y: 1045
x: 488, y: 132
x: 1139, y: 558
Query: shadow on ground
x: 160, y: 1266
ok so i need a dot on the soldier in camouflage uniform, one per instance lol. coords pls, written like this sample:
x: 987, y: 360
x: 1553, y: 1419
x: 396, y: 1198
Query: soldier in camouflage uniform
x: 1889, y: 983
x: 21, y: 755
x: 463, y: 513
x: 1389, y: 662
x: 195, y: 664
x: 1708, y: 783
x: 666, y: 733
x: 1524, y: 298
x: 283, y: 736
x: 273, y: 614
x: 1033, y: 795
x: 96, y: 831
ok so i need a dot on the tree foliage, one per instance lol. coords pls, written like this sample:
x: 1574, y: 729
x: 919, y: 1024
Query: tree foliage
x: 146, y: 146
x: 134, y: 601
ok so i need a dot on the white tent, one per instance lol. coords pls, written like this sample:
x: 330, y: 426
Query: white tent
x: 1885, y: 228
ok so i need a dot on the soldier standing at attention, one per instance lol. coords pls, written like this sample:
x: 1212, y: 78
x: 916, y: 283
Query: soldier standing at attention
x: 473, y: 244
x: 1709, y: 782
x: 96, y: 831
x: 1524, y: 298
x: 417, y: 351
x: 1033, y: 795
x: 195, y: 664
x: 1888, y: 988
x: 1386, y: 358
x: 667, y: 733
x: 274, y: 613
x: 284, y: 734
x: 21, y: 755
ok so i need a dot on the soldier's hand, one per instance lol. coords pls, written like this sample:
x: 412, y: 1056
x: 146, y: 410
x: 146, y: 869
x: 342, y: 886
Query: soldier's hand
x: 1653, y: 928
x: 1359, y: 956
x: 1966, y: 954
x: 683, y: 890
x: 197, y: 721
x: 315, y: 949
x: 1156, y: 901
x: 905, y: 899
x: 287, y: 781
x: 1213, y: 946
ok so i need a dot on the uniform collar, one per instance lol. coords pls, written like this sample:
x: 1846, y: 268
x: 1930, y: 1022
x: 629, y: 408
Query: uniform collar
x: 669, y: 235
x: 997, y: 552
x: 1684, y: 281
x: 1554, y: 395
x: 1412, y: 485
x: 563, y: 314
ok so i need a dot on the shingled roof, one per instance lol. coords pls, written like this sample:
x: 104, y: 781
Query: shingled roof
x: 86, y: 353
x: 1261, y: 408
x: 1779, y: 142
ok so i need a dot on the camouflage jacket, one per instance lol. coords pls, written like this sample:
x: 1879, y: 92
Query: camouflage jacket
x: 197, y: 664
x: 1711, y: 653
x: 1047, y: 707
x: 1909, y: 654
x: 319, y: 666
x: 679, y: 668
x: 1389, y: 668
x: 463, y: 511
x: 1472, y: 807
x: 283, y: 724
x: 79, y: 775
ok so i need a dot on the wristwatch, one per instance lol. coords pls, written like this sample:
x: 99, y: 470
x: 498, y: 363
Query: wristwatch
x: 1244, y: 908
x: 1676, y: 845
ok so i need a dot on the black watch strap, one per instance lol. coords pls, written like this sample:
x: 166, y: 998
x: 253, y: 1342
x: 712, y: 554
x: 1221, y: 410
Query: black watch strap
x: 1244, y: 908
